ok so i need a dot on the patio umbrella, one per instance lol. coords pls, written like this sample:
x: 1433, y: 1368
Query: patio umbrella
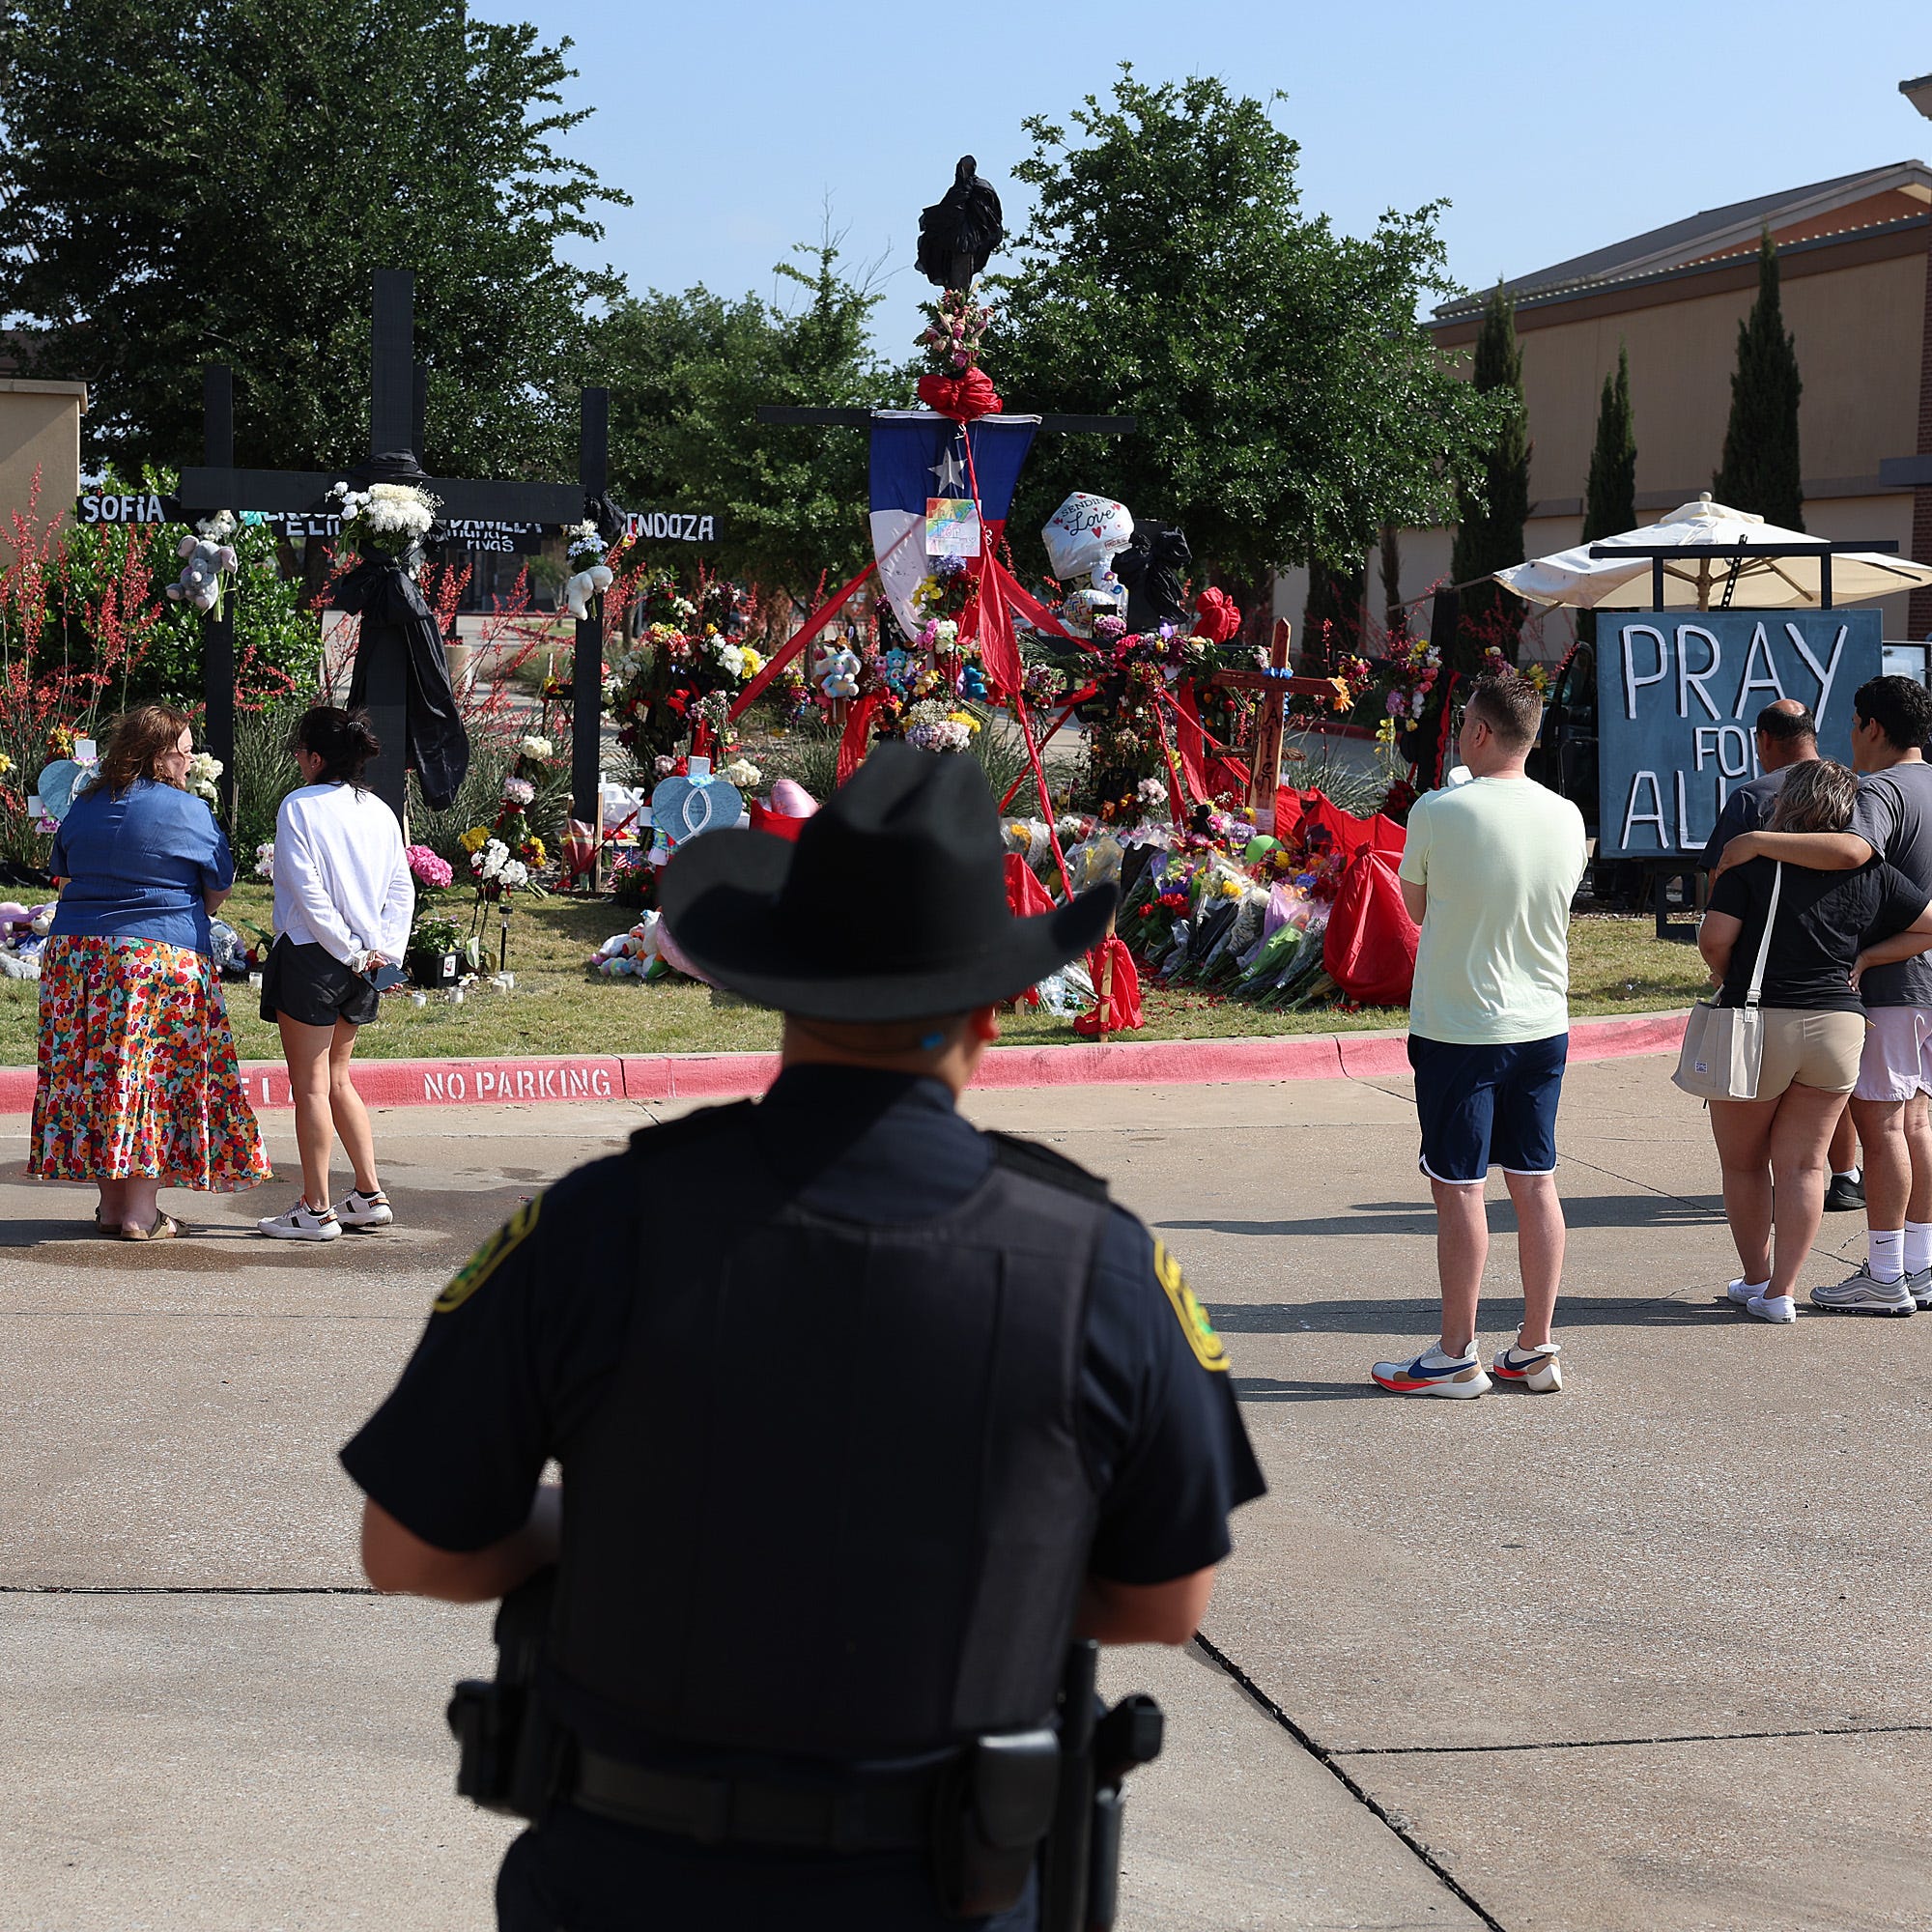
x: 1575, y: 576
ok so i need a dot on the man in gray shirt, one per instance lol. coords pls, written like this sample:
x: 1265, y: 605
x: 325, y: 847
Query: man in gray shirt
x: 1893, y: 821
x: 1787, y: 736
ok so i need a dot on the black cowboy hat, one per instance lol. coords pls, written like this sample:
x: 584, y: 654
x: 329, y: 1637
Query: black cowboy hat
x: 891, y: 905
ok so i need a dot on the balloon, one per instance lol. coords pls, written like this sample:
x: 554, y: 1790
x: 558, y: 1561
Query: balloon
x: 1085, y: 534
x: 792, y: 798
x: 57, y: 785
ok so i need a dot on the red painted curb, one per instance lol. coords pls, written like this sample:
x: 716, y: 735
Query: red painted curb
x: 725, y: 1076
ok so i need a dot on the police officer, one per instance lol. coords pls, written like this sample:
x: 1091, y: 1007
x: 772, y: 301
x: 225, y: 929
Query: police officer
x: 861, y: 1413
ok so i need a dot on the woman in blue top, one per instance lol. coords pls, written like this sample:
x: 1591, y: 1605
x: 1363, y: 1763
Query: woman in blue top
x: 139, y: 1088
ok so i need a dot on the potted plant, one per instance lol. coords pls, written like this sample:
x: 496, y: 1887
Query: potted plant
x: 436, y: 952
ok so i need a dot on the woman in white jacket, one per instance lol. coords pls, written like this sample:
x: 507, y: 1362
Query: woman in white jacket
x: 343, y: 905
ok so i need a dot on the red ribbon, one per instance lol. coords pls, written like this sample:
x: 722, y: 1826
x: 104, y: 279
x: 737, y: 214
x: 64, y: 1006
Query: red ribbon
x: 965, y: 397
x: 857, y: 722
x: 1215, y: 617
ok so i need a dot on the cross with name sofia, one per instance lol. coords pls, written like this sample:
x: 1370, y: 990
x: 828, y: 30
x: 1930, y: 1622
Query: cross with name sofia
x: 397, y: 387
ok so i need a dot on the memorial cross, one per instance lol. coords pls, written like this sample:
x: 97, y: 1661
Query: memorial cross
x: 1264, y: 779
x: 394, y: 424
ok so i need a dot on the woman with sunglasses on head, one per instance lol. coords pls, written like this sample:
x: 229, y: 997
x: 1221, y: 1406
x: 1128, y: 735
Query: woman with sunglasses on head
x: 138, y: 1086
x: 343, y: 905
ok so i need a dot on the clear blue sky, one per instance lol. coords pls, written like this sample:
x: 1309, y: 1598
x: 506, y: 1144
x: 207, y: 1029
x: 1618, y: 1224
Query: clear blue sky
x: 1550, y: 128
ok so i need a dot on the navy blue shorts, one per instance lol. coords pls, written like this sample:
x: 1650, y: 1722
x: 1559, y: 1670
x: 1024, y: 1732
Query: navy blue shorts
x: 1488, y: 1104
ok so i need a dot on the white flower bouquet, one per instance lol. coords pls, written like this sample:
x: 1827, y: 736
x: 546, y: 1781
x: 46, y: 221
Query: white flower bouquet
x: 391, y: 518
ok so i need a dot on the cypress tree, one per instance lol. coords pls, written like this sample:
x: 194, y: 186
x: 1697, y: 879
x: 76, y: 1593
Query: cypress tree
x: 1331, y: 618
x: 1610, y: 499
x: 1488, y: 531
x: 1760, y: 470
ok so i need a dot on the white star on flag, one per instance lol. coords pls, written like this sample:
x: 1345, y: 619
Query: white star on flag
x: 949, y: 471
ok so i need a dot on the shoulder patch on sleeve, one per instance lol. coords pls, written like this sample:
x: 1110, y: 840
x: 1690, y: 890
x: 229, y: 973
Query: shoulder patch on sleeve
x: 487, y: 1258
x: 1194, y: 1322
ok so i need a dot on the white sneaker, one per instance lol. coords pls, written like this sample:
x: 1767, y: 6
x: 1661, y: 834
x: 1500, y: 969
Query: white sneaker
x: 1919, y: 1282
x: 357, y: 1210
x: 1773, y: 1307
x: 1536, y: 1369
x: 1461, y: 1376
x: 1740, y: 1291
x: 301, y: 1223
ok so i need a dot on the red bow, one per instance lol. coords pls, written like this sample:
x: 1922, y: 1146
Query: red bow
x: 1215, y: 617
x: 964, y: 397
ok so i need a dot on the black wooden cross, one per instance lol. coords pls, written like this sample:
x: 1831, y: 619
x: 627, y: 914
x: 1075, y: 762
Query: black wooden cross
x: 394, y: 424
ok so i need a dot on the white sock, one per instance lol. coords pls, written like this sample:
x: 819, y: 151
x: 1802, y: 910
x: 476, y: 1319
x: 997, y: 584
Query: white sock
x: 1853, y: 1174
x: 1759, y: 1287
x: 1884, y: 1255
x: 1918, y: 1246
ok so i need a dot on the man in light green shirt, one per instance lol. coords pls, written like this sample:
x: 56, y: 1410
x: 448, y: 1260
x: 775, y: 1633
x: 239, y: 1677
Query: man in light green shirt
x: 1488, y: 872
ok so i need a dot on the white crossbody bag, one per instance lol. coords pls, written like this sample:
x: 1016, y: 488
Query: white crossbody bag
x: 1723, y: 1046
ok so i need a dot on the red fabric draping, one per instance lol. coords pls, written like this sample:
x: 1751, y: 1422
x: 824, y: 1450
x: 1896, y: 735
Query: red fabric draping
x: 1370, y: 945
x: 781, y: 825
x: 852, y: 745
x: 999, y: 648
x: 1215, y: 617
x: 802, y: 636
x: 1207, y: 776
x: 1026, y: 896
x: 965, y: 397
x: 1352, y: 836
x: 1122, y: 1001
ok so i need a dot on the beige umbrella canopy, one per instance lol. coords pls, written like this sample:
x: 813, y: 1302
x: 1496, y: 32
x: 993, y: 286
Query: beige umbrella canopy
x: 1574, y: 577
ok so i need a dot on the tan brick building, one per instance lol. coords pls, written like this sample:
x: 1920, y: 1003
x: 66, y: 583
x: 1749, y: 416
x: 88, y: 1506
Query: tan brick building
x: 1853, y: 258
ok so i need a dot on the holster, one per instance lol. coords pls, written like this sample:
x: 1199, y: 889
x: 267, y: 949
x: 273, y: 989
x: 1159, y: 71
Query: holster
x: 511, y: 1755
x: 994, y: 1810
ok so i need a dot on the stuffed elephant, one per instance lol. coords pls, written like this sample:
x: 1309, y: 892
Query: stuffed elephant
x: 200, y: 580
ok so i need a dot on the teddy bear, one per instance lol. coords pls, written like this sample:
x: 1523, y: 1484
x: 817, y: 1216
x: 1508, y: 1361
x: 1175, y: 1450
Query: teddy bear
x: 632, y: 954
x: 839, y: 673
x: 200, y: 580
x: 582, y: 586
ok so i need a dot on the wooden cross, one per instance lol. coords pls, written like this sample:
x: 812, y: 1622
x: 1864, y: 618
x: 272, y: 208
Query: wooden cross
x: 1265, y: 780
x: 396, y: 387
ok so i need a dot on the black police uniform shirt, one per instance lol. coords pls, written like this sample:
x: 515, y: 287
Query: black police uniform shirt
x: 523, y: 1343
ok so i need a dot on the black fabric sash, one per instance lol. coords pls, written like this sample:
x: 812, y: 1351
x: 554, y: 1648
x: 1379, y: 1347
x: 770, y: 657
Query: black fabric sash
x: 395, y: 618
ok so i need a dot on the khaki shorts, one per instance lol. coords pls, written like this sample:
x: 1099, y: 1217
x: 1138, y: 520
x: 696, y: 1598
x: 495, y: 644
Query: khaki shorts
x: 1897, y: 1061
x: 1810, y: 1049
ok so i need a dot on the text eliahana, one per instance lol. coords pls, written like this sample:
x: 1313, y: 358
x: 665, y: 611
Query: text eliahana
x: 1701, y: 747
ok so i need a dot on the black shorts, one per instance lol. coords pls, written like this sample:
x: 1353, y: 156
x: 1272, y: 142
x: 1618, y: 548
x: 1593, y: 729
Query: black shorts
x: 313, y: 988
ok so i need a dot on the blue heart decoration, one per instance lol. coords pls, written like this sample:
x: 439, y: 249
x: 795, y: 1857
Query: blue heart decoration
x: 681, y: 808
x: 57, y: 785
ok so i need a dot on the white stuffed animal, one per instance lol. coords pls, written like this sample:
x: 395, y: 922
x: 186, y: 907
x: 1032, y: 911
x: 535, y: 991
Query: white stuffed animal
x: 580, y: 588
x: 200, y: 580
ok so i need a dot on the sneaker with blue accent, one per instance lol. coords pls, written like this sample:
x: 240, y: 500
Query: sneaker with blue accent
x: 1860, y: 1294
x: 1432, y: 1373
x: 1535, y: 1369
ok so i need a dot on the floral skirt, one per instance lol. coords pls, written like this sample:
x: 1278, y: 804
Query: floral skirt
x: 137, y: 1071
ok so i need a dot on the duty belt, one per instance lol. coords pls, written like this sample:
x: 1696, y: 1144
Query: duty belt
x: 879, y: 1811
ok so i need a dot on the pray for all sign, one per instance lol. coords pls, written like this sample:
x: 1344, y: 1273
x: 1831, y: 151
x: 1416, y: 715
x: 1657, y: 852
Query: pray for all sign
x: 1677, y: 693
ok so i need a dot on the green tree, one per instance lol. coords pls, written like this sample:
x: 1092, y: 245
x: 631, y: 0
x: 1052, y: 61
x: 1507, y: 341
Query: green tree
x: 1493, y: 504
x: 1331, y: 618
x: 686, y: 371
x: 1760, y: 469
x: 1288, y: 401
x: 1610, y: 497
x: 185, y: 182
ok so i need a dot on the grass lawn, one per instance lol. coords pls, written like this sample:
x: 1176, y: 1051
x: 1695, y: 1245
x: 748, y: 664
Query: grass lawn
x: 1616, y: 965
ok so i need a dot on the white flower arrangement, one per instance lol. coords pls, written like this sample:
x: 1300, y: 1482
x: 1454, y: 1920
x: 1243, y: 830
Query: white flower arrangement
x: 932, y: 726
x: 265, y: 862
x: 537, y: 748
x: 730, y: 657
x: 742, y: 773
x: 493, y: 867
x: 202, y: 773
x: 392, y: 518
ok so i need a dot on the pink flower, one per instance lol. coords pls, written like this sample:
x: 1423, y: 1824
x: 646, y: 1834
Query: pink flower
x: 428, y: 868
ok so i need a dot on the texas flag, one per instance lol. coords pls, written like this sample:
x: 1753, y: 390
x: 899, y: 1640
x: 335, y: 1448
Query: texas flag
x: 923, y: 492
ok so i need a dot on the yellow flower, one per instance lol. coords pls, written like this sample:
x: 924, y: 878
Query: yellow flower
x: 964, y: 718
x: 754, y: 663
x: 6, y: 763
x: 1231, y: 889
x: 533, y: 851
x: 474, y: 839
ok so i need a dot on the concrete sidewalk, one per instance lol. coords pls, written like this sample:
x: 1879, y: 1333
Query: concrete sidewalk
x: 1648, y: 1654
